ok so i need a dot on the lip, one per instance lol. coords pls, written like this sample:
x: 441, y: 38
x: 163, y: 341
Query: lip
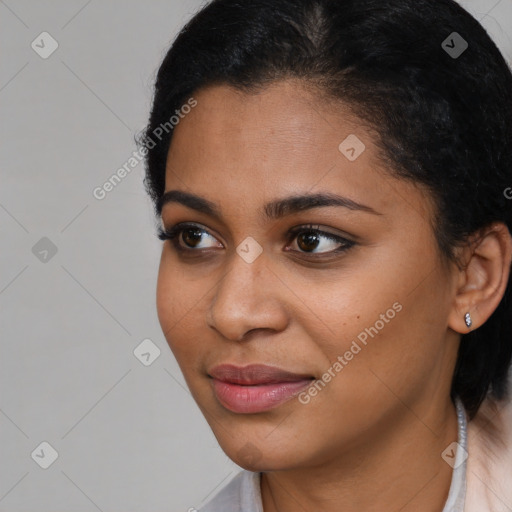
x: 256, y: 387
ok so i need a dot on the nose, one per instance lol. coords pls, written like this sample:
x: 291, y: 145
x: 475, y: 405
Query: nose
x: 248, y: 297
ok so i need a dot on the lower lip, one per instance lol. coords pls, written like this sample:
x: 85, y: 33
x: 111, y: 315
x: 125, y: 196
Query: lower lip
x: 251, y: 399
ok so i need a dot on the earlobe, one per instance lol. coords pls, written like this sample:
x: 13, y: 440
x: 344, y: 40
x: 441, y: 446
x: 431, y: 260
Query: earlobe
x: 483, y: 280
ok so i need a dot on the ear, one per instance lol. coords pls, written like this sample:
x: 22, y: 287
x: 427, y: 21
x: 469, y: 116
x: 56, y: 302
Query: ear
x: 483, y: 280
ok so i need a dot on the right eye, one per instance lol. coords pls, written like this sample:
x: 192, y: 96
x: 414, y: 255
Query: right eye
x: 190, y: 234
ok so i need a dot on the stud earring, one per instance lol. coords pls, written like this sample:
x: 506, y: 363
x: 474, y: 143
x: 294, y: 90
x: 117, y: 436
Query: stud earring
x: 468, y: 320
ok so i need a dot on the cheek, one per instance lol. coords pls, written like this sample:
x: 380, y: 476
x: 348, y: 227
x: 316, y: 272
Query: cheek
x: 385, y: 316
x: 394, y: 349
x: 179, y: 305
x: 366, y: 331
x: 175, y: 300
x: 165, y: 294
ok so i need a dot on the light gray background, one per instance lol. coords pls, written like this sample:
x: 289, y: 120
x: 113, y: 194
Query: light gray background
x: 128, y: 436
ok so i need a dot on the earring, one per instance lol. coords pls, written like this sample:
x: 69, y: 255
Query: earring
x: 468, y: 320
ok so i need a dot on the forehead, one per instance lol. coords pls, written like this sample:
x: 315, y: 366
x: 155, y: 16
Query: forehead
x: 284, y: 116
x: 247, y: 148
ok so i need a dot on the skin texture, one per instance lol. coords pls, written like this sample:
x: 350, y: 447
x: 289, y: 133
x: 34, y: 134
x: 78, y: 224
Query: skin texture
x: 372, y: 438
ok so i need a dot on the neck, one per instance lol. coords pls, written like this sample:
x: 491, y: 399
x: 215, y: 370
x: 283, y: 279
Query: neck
x: 397, y: 467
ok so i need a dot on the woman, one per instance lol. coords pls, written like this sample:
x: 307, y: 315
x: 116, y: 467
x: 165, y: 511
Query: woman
x: 333, y: 182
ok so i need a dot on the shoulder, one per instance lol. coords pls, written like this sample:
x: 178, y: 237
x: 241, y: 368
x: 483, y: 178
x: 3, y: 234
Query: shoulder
x: 489, y: 462
x: 241, y: 494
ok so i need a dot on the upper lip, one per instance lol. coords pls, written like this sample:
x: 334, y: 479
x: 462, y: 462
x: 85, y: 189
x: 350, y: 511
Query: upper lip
x: 254, y: 374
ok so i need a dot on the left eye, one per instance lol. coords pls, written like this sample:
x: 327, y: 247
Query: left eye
x: 309, y: 239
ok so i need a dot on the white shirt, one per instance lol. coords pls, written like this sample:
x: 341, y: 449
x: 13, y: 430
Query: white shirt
x: 479, y: 481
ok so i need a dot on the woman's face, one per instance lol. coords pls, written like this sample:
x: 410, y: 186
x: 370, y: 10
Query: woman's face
x: 361, y: 318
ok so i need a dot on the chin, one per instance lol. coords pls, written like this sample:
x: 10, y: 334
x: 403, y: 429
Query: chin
x: 263, y: 456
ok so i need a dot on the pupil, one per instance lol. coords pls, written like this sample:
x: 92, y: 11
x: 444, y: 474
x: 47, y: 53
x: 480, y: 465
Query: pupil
x: 195, y: 237
x: 309, y: 238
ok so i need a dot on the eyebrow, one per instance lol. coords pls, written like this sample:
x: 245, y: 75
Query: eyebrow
x: 272, y: 210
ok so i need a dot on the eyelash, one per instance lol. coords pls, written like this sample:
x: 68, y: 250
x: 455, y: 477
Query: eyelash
x: 173, y: 233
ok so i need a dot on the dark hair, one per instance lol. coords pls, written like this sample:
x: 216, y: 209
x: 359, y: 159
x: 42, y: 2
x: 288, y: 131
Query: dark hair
x: 442, y: 120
